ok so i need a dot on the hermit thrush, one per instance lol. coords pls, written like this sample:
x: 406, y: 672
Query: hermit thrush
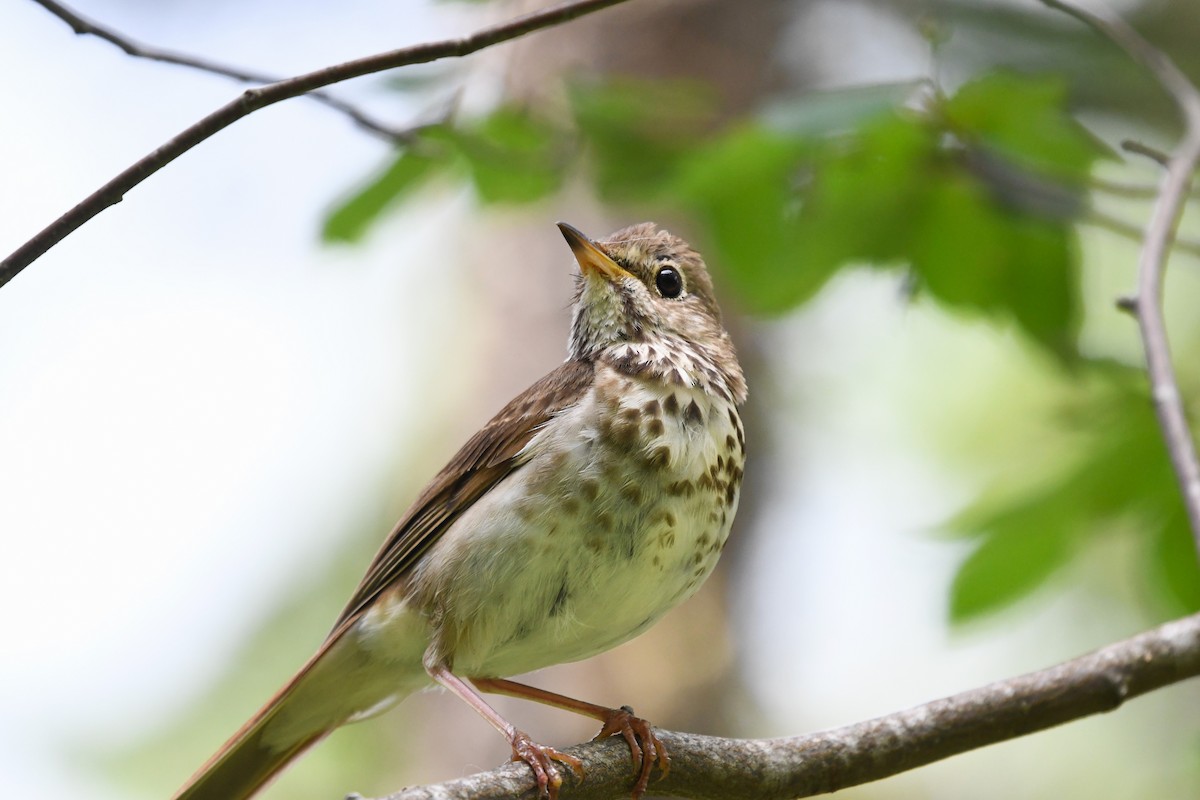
x: 593, y: 503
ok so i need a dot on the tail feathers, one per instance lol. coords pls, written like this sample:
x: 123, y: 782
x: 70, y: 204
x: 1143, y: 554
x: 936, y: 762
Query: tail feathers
x: 267, y: 743
x: 244, y: 766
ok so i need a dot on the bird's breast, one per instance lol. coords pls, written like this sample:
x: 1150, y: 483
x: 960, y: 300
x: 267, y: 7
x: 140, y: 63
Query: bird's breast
x: 619, y: 514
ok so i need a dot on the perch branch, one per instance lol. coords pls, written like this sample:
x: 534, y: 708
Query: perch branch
x: 710, y: 768
x: 259, y: 97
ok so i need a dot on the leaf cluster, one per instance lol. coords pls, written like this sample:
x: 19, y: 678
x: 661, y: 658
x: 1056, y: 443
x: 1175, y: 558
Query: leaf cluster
x: 972, y: 198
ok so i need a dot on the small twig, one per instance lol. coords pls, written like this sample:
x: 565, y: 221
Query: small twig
x: 1131, y: 231
x: 86, y: 27
x: 1154, y: 154
x: 710, y: 768
x: 1133, y: 191
x: 254, y: 99
x: 1164, y: 221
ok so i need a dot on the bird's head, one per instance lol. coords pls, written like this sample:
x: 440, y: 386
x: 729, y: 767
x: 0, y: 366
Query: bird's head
x: 645, y: 301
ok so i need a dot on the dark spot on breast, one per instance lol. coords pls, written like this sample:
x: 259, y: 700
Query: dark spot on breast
x: 681, y: 489
x: 659, y: 457
x: 729, y: 443
x: 730, y: 493
x: 655, y: 427
x: 692, y: 415
x: 570, y: 506
x: 652, y: 408
x: 594, y: 544
x: 631, y: 493
x: 560, y: 600
x: 526, y: 510
x: 671, y: 405
x: 590, y: 489
x: 629, y: 414
x: 604, y: 521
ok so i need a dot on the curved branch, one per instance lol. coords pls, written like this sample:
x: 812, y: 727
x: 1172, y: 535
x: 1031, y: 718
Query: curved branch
x: 254, y: 99
x: 710, y: 768
x: 86, y: 27
x: 1160, y: 233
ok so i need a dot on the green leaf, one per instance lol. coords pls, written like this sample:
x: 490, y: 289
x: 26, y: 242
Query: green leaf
x: 740, y: 191
x: 864, y: 192
x: 1174, y: 572
x: 1122, y: 474
x: 350, y: 221
x: 637, y: 131
x: 511, y: 156
x: 822, y: 114
x: 1023, y: 548
x: 1025, y: 119
x: 970, y: 252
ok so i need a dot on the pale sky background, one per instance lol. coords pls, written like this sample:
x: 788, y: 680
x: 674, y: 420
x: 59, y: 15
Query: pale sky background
x: 197, y: 394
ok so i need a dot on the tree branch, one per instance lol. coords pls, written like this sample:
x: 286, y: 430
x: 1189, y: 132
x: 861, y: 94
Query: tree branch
x: 710, y: 768
x: 1160, y: 233
x: 254, y: 99
x: 86, y: 27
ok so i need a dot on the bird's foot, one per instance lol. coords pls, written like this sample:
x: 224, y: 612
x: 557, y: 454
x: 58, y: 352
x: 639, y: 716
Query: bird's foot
x: 540, y: 759
x: 645, y: 748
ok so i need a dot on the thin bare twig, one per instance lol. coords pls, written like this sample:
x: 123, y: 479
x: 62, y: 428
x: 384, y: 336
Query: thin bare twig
x: 1152, y: 153
x: 1133, y: 232
x: 1164, y: 221
x: 87, y: 27
x: 710, y: 768
x: 1133, y: 191
x: 254, y: 99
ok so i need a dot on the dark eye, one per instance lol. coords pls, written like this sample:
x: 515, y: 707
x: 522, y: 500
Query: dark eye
x: 669, y: 282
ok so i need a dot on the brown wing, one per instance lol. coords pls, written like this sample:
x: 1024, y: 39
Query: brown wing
x: 489, y: 456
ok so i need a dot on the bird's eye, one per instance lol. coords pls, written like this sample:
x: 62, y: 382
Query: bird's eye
x: 669, y: 282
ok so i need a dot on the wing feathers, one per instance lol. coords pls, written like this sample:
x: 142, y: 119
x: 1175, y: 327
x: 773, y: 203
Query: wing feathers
x: 489, y: 456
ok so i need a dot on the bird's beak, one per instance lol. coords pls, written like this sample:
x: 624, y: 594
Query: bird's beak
x: 592, y: 260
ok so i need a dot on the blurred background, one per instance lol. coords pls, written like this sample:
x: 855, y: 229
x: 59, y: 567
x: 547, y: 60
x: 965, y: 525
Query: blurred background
x: 221, y: 393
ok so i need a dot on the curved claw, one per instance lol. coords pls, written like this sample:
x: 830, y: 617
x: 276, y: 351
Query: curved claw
x: 540, y: 759
x: 645, y: 748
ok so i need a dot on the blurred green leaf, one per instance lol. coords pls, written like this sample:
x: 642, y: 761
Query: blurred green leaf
x: 825, y: 113
x: 350, y: 221
x: 1122, y: 474
x: 971, y: 253
x: 511, y: 156
x: 740, y: 188
x: 1024, y: 118
x: 864, y: 193
x: 1174, y: 573
x: 1023, y: 547
x: 636, y: 132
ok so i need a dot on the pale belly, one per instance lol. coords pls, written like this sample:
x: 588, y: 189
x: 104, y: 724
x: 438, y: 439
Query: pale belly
x: 593, y: 540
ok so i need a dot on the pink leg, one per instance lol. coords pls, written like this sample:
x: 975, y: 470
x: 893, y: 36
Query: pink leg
x: 645, y: 748
x: 540, y: 758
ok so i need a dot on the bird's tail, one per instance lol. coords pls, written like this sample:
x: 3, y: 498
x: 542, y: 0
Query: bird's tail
x: 245, y: 764
x: 328, y: 691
